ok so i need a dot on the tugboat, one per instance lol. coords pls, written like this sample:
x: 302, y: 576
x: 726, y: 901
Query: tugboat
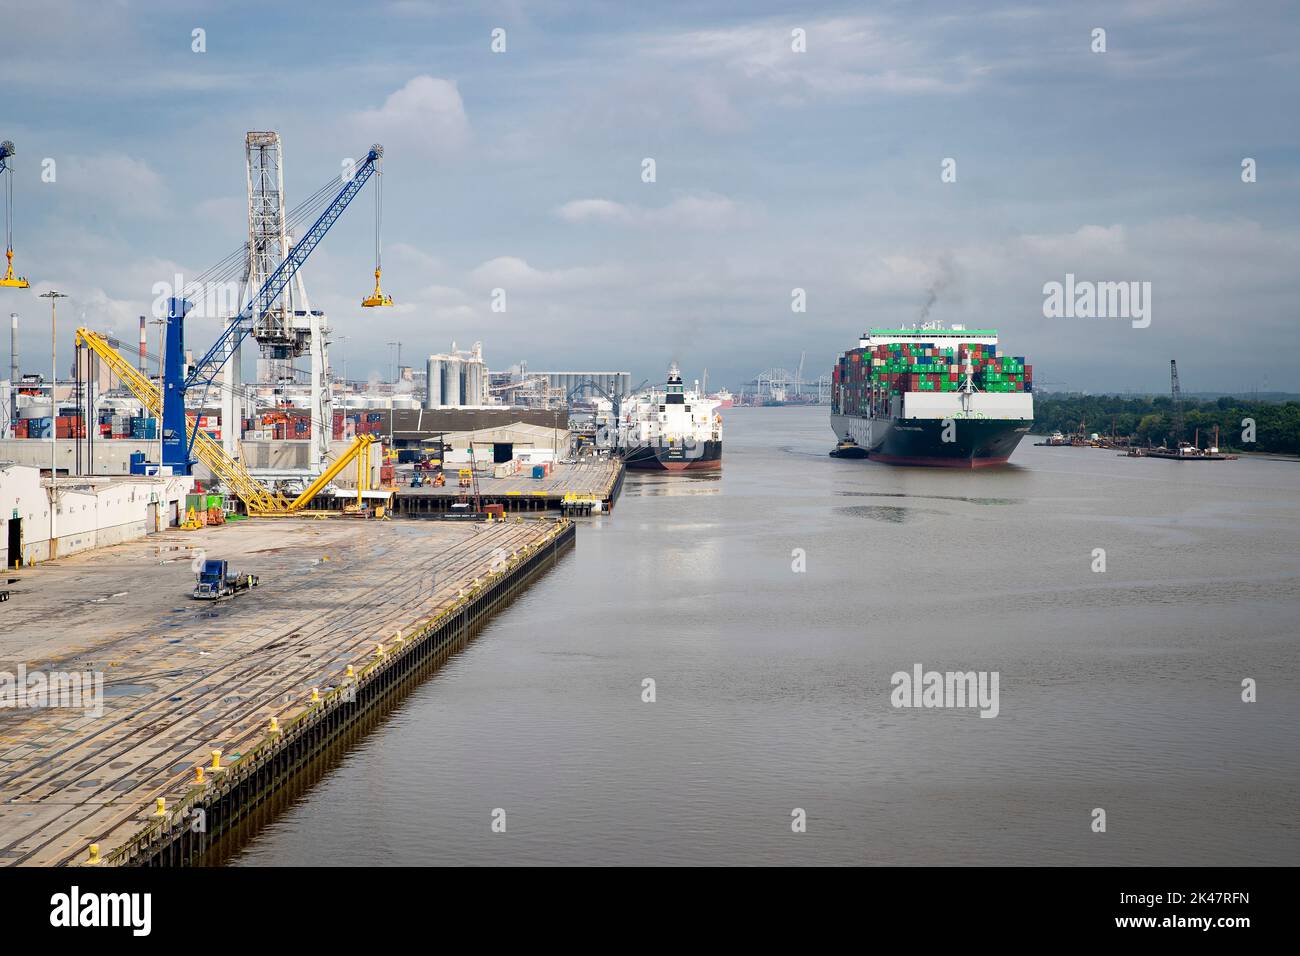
x: 848, y: 448
x: 672, y: 430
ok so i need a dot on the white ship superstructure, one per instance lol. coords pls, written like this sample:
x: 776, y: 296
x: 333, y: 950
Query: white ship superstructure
x: 672, y: 429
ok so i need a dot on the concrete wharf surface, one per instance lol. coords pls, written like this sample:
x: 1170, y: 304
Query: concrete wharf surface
x: 184, y: 677
x: 602, y: 478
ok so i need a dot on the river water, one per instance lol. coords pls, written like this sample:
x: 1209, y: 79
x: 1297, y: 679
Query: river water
x: 1119, y: 690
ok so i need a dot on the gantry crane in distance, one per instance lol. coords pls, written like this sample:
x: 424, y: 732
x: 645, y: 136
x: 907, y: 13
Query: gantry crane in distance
x: 7, y: 171
x: 1176, y: 395
x: 182, y: 438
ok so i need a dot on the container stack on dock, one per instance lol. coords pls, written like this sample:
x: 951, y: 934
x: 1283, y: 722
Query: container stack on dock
x: 348, y: 425
x: 69, y: 424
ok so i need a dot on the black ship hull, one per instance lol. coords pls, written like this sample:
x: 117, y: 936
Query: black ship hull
x: 677, y: 456
x: 958, y: 443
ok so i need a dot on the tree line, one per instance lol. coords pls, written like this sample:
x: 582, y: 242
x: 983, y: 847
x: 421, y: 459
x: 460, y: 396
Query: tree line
x: 1150, y: 420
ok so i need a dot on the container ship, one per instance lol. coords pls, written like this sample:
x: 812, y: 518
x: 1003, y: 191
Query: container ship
x: 672, y: 430
x: 931, y: 396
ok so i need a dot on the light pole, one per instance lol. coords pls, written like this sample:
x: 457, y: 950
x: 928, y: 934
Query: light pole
x: 162, y: 352
x: 344, y: 338
x: 53, y: 296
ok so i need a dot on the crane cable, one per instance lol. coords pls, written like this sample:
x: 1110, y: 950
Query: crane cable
x: 379, y: 213
x: 9, y: 207
x: 235, y: 263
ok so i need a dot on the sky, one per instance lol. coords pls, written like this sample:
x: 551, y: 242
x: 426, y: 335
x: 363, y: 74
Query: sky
x: 795, y: 147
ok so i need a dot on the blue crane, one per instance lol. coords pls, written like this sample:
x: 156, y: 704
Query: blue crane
x: 176, y: 450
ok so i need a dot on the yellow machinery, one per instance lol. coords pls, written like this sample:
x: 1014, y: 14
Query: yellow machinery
x: 377, y: 298
x: 258, y: 499
x: 6, y: 168
x: 358, y: 451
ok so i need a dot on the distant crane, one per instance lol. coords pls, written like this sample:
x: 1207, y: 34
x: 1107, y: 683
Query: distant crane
x: 1177, y: 394
x: 7, y: 170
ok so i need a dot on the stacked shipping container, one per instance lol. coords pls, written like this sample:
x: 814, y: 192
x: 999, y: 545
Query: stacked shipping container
x: 350, y: 424
x: 922, y: 367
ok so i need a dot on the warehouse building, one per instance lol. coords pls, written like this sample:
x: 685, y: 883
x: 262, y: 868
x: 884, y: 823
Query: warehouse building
x: 88, y: 512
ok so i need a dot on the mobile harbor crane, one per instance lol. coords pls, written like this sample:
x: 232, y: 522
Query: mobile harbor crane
x: 183, y: 441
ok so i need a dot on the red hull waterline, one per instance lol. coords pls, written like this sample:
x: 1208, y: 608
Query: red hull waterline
x: 967, y: 463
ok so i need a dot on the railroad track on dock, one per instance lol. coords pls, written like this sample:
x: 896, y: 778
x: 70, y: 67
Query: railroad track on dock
x: 347, y: 633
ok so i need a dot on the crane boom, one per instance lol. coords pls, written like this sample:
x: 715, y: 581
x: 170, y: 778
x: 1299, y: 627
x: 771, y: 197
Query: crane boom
x: 257, y: 498
x: 205, y: 371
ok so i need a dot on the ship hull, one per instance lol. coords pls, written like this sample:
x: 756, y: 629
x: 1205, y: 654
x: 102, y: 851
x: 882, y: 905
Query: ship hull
x: 974, y: 443
x: 700, y: 456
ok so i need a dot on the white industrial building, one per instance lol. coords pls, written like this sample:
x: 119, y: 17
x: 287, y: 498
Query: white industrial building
x: 88, y: 512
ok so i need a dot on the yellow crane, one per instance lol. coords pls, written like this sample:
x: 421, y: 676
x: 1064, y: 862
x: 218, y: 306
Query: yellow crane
x: 377, y: 298
x: 7, y: 170
x: 258, y: 499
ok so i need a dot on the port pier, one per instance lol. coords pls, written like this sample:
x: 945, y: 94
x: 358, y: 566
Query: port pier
x: 273, y: 678
x: 601, y: 480
x: 272, y: 764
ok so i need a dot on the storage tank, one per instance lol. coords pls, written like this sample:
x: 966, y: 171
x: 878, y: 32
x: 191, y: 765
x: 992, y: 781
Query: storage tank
x: 433, y: 375
x: 453, y: 385
x: 473, y: 383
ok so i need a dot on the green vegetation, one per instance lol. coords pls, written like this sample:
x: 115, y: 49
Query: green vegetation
x: 1150, y: 418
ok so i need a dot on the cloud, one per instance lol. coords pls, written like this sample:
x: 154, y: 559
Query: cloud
x: 225, y: 212
x: 844, y: 55
x: 702, y: 211
x: 406, y: 254
x: 426, y: 116
x: 512, y: 273
x: 129, y: 186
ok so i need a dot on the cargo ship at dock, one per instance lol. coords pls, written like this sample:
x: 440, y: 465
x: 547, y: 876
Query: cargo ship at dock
x: 672, y: 430
x: 931, y: 396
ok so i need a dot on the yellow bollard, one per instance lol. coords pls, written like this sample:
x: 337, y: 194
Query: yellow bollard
x: 216, y: 760
x: 315, y: 695
x: 94, y: 855
x: 351, y: 673
x: 198, y: 774
x: 275, y: 725
x: 162, y: 807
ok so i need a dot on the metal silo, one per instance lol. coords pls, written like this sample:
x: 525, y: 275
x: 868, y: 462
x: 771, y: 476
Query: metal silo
x: 433, y: 376
x: 473, y: 383
x: 453, y: 386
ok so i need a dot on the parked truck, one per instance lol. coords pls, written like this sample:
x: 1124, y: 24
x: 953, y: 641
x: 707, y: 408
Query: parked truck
x: 216, y: 580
